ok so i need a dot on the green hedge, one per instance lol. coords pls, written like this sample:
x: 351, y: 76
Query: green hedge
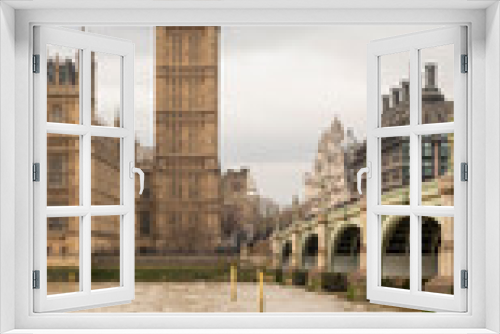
x: 396, y: 283
x: 299, y: 277
x: 278, y: 276
x: 62, y: 274
x: 163, y: 274
x: 334, y: 282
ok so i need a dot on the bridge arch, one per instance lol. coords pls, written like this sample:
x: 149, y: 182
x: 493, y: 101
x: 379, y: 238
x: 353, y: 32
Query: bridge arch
x: 345, y: 249
x: 431, y: 247
x: 286, y: 254
x: 310, y: 251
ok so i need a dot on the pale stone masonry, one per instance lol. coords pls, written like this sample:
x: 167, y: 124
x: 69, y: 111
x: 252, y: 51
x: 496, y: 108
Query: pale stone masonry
x: 184, y: 204
x: 180, y: 210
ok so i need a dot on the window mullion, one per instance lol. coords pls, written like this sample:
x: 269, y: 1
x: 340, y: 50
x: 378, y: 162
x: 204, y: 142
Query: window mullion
x: 434, y: 128
x: 434, y: 211
x: 86, y: 240
x: 83, y: 261
x: 393, y: 131
x: 414, y: 169
x: 66, y: 211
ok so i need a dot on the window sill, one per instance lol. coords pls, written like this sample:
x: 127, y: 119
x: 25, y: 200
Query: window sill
x: 252, y: 331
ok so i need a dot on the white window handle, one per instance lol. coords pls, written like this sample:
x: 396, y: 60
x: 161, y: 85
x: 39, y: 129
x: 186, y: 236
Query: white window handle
x: 139, y: 171
x: 368, y: 171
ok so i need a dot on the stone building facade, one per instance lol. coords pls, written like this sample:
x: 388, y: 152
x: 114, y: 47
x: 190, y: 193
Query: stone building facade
x: 331, y: 238
x: 63, y: 156
x: 338, y: 157
x: 247, y: 217
x: 239, y: 207
x: 179, y: 211
x: 63, y: 170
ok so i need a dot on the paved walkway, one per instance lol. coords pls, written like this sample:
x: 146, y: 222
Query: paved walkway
x: 215, y: 297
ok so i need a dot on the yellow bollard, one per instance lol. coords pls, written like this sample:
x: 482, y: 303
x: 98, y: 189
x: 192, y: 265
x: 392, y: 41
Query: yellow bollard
x: 71, y: 279
x: 261, y: 291
x: 234, y: 279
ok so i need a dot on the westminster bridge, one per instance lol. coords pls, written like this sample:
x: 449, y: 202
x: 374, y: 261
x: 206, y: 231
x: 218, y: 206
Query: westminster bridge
x: 334, y: 244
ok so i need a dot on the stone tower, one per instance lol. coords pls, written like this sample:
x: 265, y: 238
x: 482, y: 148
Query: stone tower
x: 186, y: 173
x: 325, y: 184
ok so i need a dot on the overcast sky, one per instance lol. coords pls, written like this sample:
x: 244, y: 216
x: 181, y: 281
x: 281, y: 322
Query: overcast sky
x: 282, y: 86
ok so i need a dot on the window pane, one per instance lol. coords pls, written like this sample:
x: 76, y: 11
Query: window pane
x: 105, y: 252
x: 395, y: 171
x: 105, y: 171
x: 395, y: 250
x: 395, y: 89
x: 63, y: 255
x: 63, y: 88
x: 63, y: 170
x: 437, y: 84
x: 106, y: 89
x: 437, y: 170
x: 437, y: 254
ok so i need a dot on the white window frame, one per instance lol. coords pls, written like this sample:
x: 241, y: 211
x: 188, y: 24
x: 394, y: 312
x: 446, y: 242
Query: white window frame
x: 412, y: 44
x: 85, y: 43
x: 478, y: 316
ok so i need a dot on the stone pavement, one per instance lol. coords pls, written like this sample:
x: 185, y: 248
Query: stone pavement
x: 215, y: 297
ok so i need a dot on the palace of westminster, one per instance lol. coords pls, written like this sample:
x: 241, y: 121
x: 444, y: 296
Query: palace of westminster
x: 187, y: 202
x: 179, y: 211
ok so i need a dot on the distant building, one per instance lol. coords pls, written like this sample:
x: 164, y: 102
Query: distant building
x: 340, y: 155
x: 180, y: 209
x: 326, y: 186
x: 246, y: 216
x: 332, y: 237
x: 62, y: 161
x: 63, y: 166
